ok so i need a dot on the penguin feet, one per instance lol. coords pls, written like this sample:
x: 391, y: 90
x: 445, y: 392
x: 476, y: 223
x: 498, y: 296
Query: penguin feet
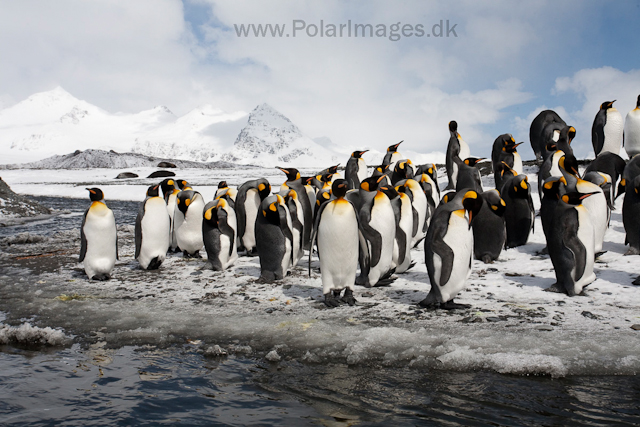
x: 486, y: 258
x: 154, y: 264
x: 363, y: 281
x: 636, y: 282
x: 252, y: 252
x: 632, y: 251
x: 555, y: 288
x: 331, y: 301
x: 101, y: 277
x: 600, y: 253
x: 450, y: 305
x: 543, y: 251
x: 348, y: 297
x: 196, y: 254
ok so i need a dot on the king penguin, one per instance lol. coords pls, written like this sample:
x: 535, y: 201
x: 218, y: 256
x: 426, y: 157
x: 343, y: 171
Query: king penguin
x: 403, y: 211
x: 611, y: 165
x: 504, y: 150
x: 219, y: 234
x: 448, y: 249
x: 571, y: 244
x: 223, y: 187
x: 274, y: 238
x: 188, y: 222
x: 468, y: 173
x: 545, y: 129
x: 392, y: 156
x: 170, y: 193
x: 356, y: 169
x: 339, y: 239
x: 519, y: 214
x: 294, y: 182
x: 489, y: 231
x: 297, y: 218
x: 98, y: 238
x: 152, y: 230
x: 607, y: 130
x: 631, y: 138
x: 420, y: 208
x: 631, y: 215
x: 250, y: 195
x: 457, y: 146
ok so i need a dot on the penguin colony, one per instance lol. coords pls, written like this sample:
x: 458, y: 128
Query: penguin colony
x: 365, y: 224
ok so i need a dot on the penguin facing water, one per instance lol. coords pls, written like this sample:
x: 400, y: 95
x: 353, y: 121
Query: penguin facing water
x: 607, y: 129
x: 448, y: 249
x: 152, y: 231
x: 338, y: 237
x: 98, y: 238
x: 219, y: 234
x: 631, y: 137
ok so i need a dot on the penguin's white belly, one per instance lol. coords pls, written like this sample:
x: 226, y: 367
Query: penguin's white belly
x: 189, y: 231
x: 586, y: 236
x: 383, y: 220
x: 100, y: 233
x: 251, y: 206
x: 613, y: 129
x: 555, y: 165
x: 171, y: 208
x: 362, y: 170
x: 298, y: 251
x: 338, y: 246
x: 232, y: 221
x: 460, y: 239
x: 464, y: 149
x: 632, y: 133
x: 406, y: 225
x: 517, y: 163
x: 156, y: 232
x: 286, y: 259
x: 598, y: 210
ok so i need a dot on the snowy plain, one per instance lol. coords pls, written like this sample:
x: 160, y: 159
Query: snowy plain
x: 513, y: 326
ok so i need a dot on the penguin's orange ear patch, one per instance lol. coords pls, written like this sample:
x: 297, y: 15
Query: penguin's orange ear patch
x: 261, y: 187
x: 565, y: 198
x: 273, y: 207
x: 187, y: 202
x: 264, y: 213
x: 495, y: 208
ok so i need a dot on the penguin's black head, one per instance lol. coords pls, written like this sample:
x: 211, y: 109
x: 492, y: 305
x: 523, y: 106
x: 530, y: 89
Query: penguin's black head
x: 270, y: 208
x: 393, y: 148
x: 326, y: 177
x: 333, y: 169
x: 292, y: 173
x: 388, y: 191
x: 575, y: 198
x: 505, y: 169
x: 520, y: 187
x: 323, y: 196
x: 184, y: 199
x: 358, y: 154
x: 95, y: 194
x: 638, y: 102
x: 167, y: 186
x: 182, y: 184
x: 472, y: 161
x: 453, y: 126
x: 371, y: 183
x: 494, y: 201
x: 447, y: 197
x: 607, y: 104
x: 569, y: 163
x: 472, y: 203
x: 222, y: 184
x: 210, y: 214
x: 339, y: 188
x: 264, y: 189
x: 404, y: 168
x: 551, y: 188
x: 380, y: 170
x: 153, y: 191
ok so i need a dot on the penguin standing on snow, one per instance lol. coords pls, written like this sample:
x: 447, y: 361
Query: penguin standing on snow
x: 170, y: 193
x: 378, y: 226
x: 544, y: 130
x: 403, y: 212
x: 570, y: 244
x: 420, y: 208
x: 98, y: 238
x: 250, y: 195
x: 519, y: 213
x: 631, y: 138
x: 356, y: 170
x: 558, y: 149
x: 188, y: 222
x: 274, y: 238
x: 448, y: 249
x: 607, y: 130
x: 294, y: 182
x: 152, y: 230
x: 338, y: 238
x: 504, y: 150
x: 297, y: 218
x: 456, y: 147
x: 219, y: 234
x: 489, y: 231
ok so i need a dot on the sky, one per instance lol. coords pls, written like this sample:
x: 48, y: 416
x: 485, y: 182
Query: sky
x: 502, y: 64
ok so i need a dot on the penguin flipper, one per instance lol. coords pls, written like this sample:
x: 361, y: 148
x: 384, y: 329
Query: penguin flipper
x: 241, y: 215
x: 446, y: 256
x: 572, y: 243
x: 138, y: 229
x: 83, y: 238
x: 533, y: 213
x: 597, y: 133
x: 401, y: 237
x: 314, y: 232
x: 414, y: 211
x: 285, y: 228
x: 371, y: 235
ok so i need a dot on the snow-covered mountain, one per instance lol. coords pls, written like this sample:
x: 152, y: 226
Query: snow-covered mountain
x: 56, y: 123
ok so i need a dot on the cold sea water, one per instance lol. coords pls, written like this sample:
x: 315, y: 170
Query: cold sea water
x: 86, y: 382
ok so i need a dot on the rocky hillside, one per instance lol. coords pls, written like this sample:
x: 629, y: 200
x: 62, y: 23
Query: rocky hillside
x: 14, y: 206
